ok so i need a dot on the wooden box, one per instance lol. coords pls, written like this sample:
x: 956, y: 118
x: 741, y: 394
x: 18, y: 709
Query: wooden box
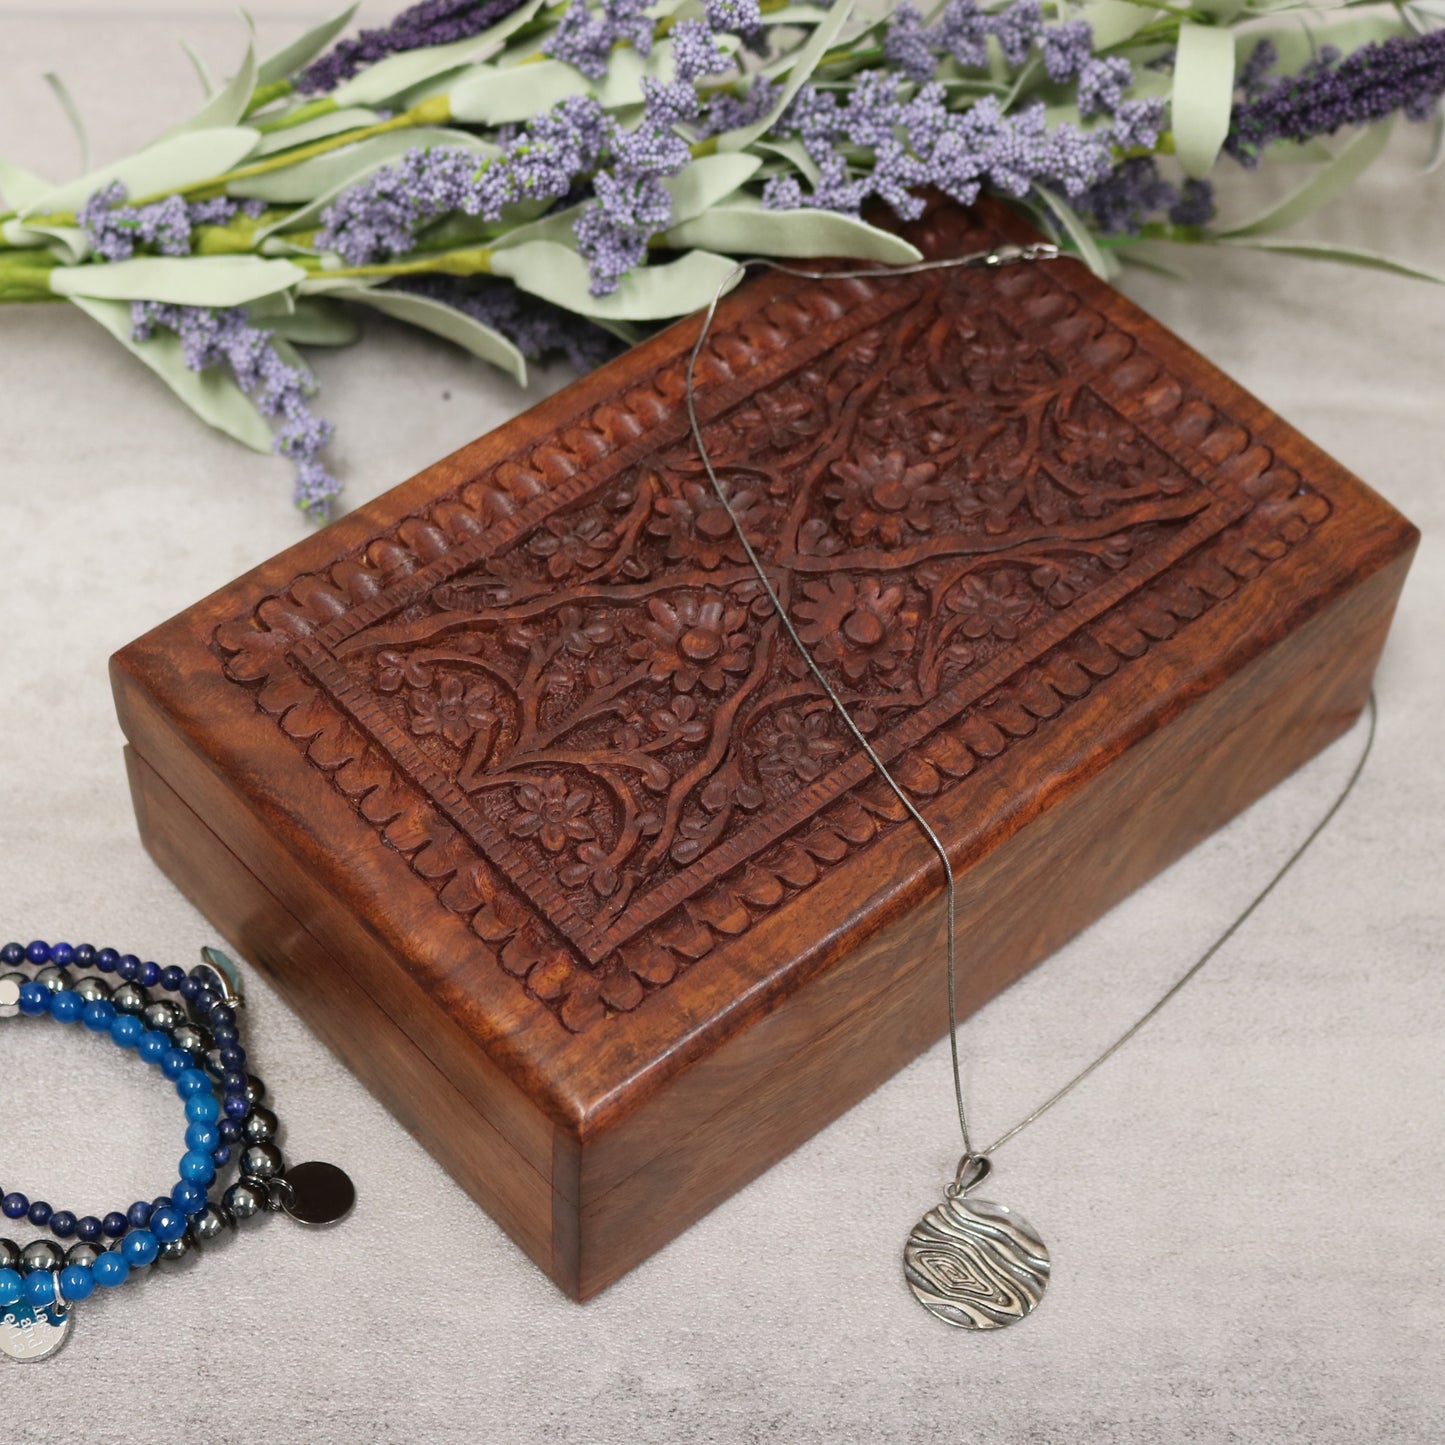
x: 510, y: 783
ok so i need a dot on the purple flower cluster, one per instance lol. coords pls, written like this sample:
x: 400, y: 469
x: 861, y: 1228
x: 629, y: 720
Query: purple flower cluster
x: 1406, y: 74
x: 116, y: 231
x: 1135, y: 194
x: 1102, y: 83
x: 962, y: 32
x: 1067, y: 48
x: 210, y: 337
x: 535, y: 327
x: 433, y: 22
x: 919, y: 142
x: 726, y: 112
x: 585, y: 37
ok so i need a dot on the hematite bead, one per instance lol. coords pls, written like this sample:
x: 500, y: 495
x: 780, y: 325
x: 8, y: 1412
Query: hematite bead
x: 245, y: 1198
x: 92, y: 989
x: 193, y: 1038
x: 53, y: 978
x: 41, y: 1254
x: 255, y: 1089
x: 163, y: 1016
x: 261, y: 1161
x: 176, y: 1252
x: 210, y: 1224
x: 261, y: 1126
x: 130, y: 998
x: 83, y: 1253
x: 9, y: 1254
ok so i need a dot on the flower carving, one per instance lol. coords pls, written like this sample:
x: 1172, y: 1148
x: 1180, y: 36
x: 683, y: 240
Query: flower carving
x: 856, y: 626
x: 593, y: 867
x: 798, y: 744
x: 882, y: 496
x: 779, y: 420
x: 453, y: 710
x: 693, y: 639
x: 552, y: 814
x: 989, y: 607
x: 581, y: 634
x: 697, y: 528
x: 573, y: 544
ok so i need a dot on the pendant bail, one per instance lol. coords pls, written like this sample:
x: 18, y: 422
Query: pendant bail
x: 973, y: 1169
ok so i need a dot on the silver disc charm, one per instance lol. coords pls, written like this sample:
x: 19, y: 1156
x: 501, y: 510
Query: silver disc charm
x: 976, y: 1265
x: 317, y: 1193
x: 28, y: 1335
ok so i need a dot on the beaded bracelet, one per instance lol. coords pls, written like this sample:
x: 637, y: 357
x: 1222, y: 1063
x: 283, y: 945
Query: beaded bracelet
x: 194, y: 1047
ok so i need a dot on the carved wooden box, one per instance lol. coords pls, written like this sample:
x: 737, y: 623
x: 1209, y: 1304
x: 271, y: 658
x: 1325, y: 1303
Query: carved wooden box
x: 511, y: 784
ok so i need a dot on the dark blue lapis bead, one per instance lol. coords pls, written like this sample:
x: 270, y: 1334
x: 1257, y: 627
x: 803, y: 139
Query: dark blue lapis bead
x: 138, y: 1215
x: 12, y: 954
x: 62, y: 1224
x: 190, y: 987
x: 230, y: 1131
x: 148, y: 975
x: 84, y: 955
x: 87, y: 1229
x: 114, y: 1225
x: 39, y: 1214
x: 14, y: 1206
x: 225, y: 1038
x: 128, y: 967
x: 222, y: 1156
x: 233, y: 1081
x: 223, y: 1016
x: 233, y: 1056
x: 160, y: 1202
x: 171, y: 977
x: 34, y: 998
x: 38, y: 951
x: 61, y: 954
x: 237, y: 1106
x: 106, y: 960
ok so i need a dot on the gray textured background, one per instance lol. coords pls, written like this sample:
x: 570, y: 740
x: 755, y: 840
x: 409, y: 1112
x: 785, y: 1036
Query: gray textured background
x: 1244, y: 1208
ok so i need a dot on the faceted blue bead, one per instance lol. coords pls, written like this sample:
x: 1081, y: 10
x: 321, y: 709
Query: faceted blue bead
x: 127, y: 1030
x: 66, y: 1006
x: 188, y: 1196
x: 97, y: 1015
x: 12, y: 1287
x: 110, y: 1269
x: 197, y: 1167
x: 40, y: 1288
x: 77, y: 1282
x: 168, y: 1224
x: 140, y: 1248
x: 203, y: 1109
x: 34, y: 998
x: 203, y: 1136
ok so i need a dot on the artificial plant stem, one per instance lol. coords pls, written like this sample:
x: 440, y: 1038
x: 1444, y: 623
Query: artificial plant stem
x: 469, y: 261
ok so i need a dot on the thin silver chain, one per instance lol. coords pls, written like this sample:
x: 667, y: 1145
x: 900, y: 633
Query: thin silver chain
x: 1001, y: 256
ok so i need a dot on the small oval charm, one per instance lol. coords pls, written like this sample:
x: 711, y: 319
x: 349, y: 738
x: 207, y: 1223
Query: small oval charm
x: 28, y: 1336
x: 317, y: 1193
x: 976, y: 1265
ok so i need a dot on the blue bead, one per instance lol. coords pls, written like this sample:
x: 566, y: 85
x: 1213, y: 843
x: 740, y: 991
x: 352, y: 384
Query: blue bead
x: 197, y: 1166
x: 192, y: 1081
x: 222, y: 1017
x: 97, y: 1015
x: 175, y: 1062
x: 224, y: 1038
x: 168, y: 1224
x: 85, y: 955
x: 114, y: 1224
x: 230, y: 1131
x: 14, y: 1206
x: 40, y: 1288
x: 222, y: 1156
x: 106, y: 960
x: 40, y: 1213
x: 66, y: 1006
x: 77, y: 1282
x: 233, y: 1056
x: 203, y: 1109
x: 153, y: 1046
x: 10, y: 955
x: 12, y: 1287
x: 138, y: 1215
x: 88, y: 1229
x: 161, y: 1201
x: 189, y: 988
x: 62, y: 1224
x: 127, y: 1030
x: 110, y: 1269
x: 171, y: 977
x: 149, y: 973
x: 127, y: 966
x: 188, y: 1196
x: 140, y: 1248
x: 34, y: 998
x: 203, y: 1136
x: 38, y: 951
x: 61, y: 954
x: 237, y: 1106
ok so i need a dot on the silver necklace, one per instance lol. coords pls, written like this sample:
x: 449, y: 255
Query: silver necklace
x: 970, y: 1262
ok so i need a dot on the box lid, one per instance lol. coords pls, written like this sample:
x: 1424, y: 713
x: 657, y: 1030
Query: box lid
x: 523, y: 738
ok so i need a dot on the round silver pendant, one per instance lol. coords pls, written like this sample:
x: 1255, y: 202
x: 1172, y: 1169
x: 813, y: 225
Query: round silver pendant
x: 317, y: 1193
x: 28, y: 1335
x: 976, y: 1265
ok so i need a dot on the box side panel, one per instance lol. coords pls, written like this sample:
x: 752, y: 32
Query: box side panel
x: 828, y: 1046
x: 350, y: 1022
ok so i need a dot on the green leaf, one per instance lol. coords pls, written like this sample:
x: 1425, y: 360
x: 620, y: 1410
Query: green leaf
x: 1329, y: 251
x: 212, y: 394
x: 1437, y: 142
x: 281, y: 63
x: 796, y: 154
x: 650, y: 293
x: 743, y: 227
x: 310, y: 179
x: 1077, y: 232
x: 1203, y: 95
x: 388, y: 78
x: 314, y: 322
x: 169, y: 165
x: 72, y: 114
x: 806, y: 61
x: 227, y: 106
x: 21, y: 187
x: 797, y: 15
x: 67, y: 243
x: 1322, y: 187
x: 1115, y: 21
x: 707, y: 181
x: 203, y: 73
x: 334, y: 122
x: 445, y: 321
x: 183, y: 281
